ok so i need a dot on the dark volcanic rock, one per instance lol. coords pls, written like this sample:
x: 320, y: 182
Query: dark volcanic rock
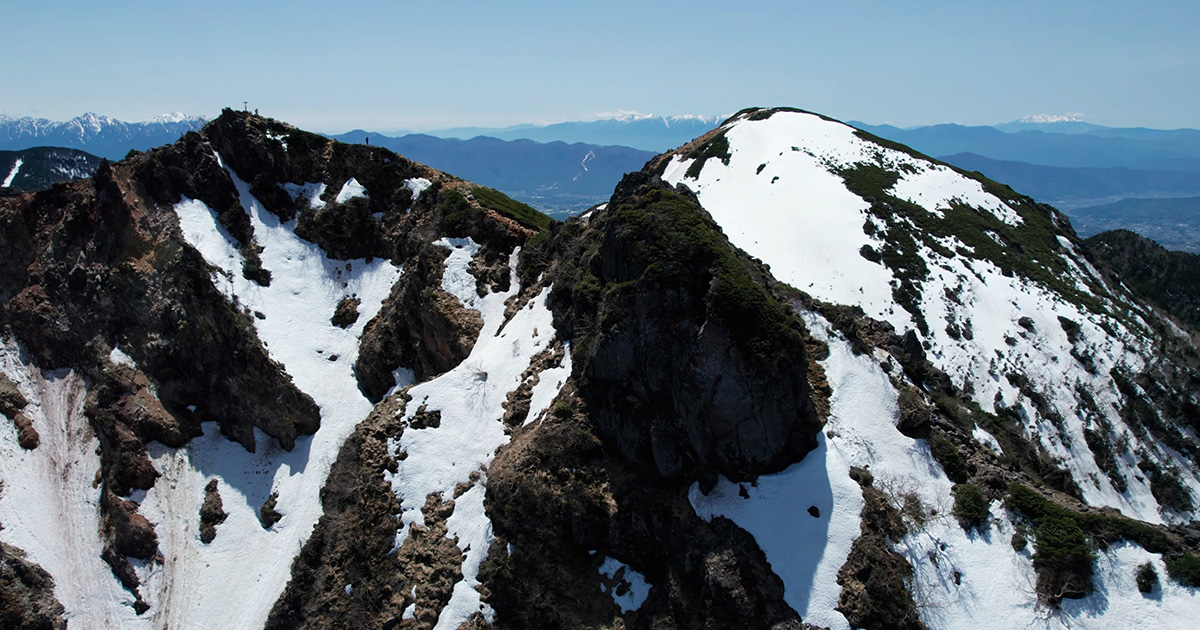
x: 267, y: 514
x: 11, y: 400
x: 27, y: 436
x: 420, y: 327
x: 562, y: 500
x: 353, y: 543
x: 126, y: 535
x: 212, y: 512
x: 346, y: 312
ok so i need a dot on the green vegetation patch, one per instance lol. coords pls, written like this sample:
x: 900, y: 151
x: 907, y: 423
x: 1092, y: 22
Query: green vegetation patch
x: 970, y: 506
x: 511, y: 208
x: 1184, y: 569
x: 1065, y: 541
x: 1063, y: 555
x: 716, y: 147
x: 946, y: 453
x: 1147, y: 578
x: 676, y: 240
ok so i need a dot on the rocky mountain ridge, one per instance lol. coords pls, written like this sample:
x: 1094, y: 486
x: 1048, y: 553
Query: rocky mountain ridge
x: 39, y: 167
x: 789, y: 374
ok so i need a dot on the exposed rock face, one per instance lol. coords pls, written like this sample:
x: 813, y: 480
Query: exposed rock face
x: 212, y: 512
x: 99, y: 265
x: 27, y: 594
x: 873, y: 580
x: 685, y: 356
x: 126, y: 535
x: 353, y: 545
x: 420, y: 327
x: 346, y: 313
x: 11, y: 404
x: 563, y: 498
x: 11, y: 400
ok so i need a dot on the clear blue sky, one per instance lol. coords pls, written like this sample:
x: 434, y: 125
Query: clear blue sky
x: 333, y: 66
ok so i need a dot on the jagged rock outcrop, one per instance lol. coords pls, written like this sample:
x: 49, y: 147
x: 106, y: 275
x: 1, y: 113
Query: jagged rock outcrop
x: 421, y: 327
x: 27, y: 594
x: 690, y: 364
x: 564, y: 497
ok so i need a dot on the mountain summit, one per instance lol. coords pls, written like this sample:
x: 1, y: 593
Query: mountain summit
x: 790, y: 375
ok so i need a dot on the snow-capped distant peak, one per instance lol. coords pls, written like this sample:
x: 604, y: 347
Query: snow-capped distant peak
x: 174, y: 117
x: 1051, y: 118
x: 635, y: 116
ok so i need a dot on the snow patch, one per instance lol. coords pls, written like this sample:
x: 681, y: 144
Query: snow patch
x: 416, y: 186
x: 12, y: 174
x: 630, y: 589
x: 311, y: 192
x: 457, y: 280
x: 120, y: 358
x: 987, y: 439
x: 351, y: 190
x: 776, y: 223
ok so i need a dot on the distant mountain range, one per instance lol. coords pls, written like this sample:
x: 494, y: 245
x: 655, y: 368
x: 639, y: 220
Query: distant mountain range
x: 1099, y: 147
x: 647, y: 132
x: 555, y: 177
x: 100, y: 135
x: 1069, y: 188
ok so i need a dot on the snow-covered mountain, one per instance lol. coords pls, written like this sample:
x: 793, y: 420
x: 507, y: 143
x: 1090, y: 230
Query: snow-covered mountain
x: 789, y: 376
x: 1050, y: 123
x: 99, y: 135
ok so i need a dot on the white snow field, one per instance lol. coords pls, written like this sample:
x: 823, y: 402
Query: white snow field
x: 49, y: 503
x: 234, y: 581
x: 780, y: 200
x: 470, y: 398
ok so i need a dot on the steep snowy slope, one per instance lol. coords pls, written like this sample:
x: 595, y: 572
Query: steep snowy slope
x: 994, y: 292
x: 196, y: 497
